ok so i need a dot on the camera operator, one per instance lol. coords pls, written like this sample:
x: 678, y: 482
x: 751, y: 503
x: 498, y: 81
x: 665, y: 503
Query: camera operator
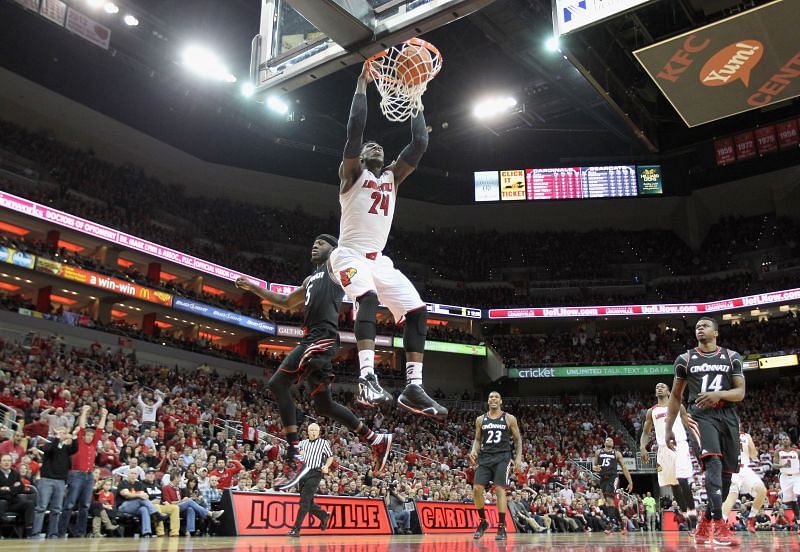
x: 395, y: 503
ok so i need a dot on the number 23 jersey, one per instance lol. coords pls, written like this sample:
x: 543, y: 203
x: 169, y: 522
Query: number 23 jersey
x: 367, y: 212
x: 707, y: 372
x: 495, y: 435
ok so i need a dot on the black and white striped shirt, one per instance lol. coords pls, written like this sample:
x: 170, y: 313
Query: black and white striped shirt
x: 315, y: 453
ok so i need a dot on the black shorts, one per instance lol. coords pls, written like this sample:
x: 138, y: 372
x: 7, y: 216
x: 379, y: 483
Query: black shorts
x: 608, y: 484
x: 716, y: 432
x: 311, y: 359
x: 495, y: 468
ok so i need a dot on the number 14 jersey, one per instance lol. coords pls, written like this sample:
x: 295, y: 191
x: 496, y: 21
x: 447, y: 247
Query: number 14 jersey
x: 367, y: 212
x: 706, y: 372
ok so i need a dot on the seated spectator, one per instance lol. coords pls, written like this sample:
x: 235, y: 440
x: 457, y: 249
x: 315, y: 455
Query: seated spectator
x: 135, y: 500
x: 14, y: 496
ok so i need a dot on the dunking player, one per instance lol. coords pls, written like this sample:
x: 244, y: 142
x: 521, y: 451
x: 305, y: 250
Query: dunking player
x: 311, y: 359
x: 491, y: 449
x: 746, y: 482
x: 674, y: 466
x: 715, y: 381
x: 787, y: 459
x: 368, y: 194
x: 606, y: 461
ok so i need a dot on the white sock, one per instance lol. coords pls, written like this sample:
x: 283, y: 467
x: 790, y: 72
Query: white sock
x: 414, y: 373
x: 366, y: 360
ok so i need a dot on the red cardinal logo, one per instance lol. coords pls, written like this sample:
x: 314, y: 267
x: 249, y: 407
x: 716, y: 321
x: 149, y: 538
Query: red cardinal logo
x: 346, y: 276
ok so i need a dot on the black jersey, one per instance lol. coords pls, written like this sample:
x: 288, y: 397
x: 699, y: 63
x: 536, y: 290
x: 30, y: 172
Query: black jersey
x: 323, y: 299
x: 495, y: 435
x: 708, y: 372
x: 607, y: 460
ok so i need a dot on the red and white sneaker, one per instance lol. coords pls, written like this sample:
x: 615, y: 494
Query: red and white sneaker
x: 723, y: 536
x: 751, y: 524
x: 380, y: 452
x: 703, y: 531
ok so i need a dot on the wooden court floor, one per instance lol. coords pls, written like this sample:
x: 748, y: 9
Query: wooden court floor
x: 639, y: 542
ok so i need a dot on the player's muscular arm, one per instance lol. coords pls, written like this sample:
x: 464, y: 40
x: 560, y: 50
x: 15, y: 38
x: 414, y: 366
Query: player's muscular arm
x: 409, y: 158
x: 351, y: 158
x: 625, y: 471
x: 515, y: 433
x: 476, y: 443
x: 675, y: 398
x: 710, y: 398
x: 596, y: 466
x: 646, y: 430
x: 290, y: 302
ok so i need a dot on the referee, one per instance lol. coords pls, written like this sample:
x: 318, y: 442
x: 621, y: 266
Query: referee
x: 318, y: 459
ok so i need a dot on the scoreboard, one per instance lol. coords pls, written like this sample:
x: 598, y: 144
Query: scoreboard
x: 568, y: 183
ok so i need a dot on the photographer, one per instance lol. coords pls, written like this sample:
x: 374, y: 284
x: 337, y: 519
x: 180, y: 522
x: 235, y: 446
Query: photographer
x: 395, y: 502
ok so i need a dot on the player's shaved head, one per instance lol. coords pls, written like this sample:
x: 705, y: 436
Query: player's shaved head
x: 713, y: 322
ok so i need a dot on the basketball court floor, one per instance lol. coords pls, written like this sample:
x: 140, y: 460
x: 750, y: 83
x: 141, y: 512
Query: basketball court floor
x: 415, y: 543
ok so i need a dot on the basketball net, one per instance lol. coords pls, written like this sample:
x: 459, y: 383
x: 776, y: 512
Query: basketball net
x: 395, y: 71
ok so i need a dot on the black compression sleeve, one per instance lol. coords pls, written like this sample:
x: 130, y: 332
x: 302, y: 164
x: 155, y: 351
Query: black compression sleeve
x: 413, y: 152
x: 355, y: 126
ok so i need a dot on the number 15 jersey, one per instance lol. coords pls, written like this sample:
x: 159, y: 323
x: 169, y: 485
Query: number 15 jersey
x: 367, y: 212
x: 706, y: 372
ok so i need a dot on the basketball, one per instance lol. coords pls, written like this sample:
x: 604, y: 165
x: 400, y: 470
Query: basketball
x: 414, y: 64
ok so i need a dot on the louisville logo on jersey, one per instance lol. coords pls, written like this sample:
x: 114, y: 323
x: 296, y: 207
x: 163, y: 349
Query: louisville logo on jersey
x: 346, y: 276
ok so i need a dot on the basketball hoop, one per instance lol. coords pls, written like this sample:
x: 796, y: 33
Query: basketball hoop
x: 402, y: 74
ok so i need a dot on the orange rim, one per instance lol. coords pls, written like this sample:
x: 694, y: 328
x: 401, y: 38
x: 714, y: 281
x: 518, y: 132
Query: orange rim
x: 412, y: 42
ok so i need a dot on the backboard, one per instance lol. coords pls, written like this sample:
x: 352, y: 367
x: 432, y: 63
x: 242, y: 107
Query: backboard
x: 302, y: 40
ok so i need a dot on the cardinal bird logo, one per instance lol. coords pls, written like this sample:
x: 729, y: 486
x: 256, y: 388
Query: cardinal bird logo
x: 346, y: 276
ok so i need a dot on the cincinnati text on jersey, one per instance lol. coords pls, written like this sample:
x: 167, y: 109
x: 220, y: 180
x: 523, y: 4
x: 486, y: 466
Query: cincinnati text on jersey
x: 493, y: 426
x: 710, y: 368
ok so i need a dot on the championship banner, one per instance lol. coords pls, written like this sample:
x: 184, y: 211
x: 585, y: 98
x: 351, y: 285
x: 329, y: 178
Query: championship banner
x: 766, y: 141
x: 788, y: 137
x: 54, y: 10
x: 724, y: 151
x: 455, y: 517
x: 745, y: 146
x: 264, y: 514
x: 32, y: 5
x: 747, y: 61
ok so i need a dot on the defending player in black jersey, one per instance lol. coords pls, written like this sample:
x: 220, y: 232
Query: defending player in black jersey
x: 716, y: 382
x: 311, y: 359
x: 606, y: 461
x: 492, y: 451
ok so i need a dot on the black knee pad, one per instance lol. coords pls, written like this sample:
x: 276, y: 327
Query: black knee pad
x: 365, y: 319
x: 415, y: 330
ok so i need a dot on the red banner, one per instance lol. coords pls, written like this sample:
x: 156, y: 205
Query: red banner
x: 745, y: 146
x: 766, y: 140
x: 456, y: 517
x: 261, y: 514
x: 787, y: 134
x: 726, y: 154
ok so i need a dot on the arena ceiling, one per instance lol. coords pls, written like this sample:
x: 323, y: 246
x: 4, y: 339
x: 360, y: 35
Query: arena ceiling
x: 566, y: 120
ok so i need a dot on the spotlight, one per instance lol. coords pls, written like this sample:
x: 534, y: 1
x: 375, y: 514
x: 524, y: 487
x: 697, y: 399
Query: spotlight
x: 493, y: 106
x: 111, y: 8
x: 248, y: 89
x: 552, y: 44
x: 205, y: 63
x: 130, y: 20
x: 277, y: 105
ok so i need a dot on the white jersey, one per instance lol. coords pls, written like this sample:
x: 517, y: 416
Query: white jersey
x: 790, y: 456
x: 660, y: 422
x: 367, y: 212
x: 744, y: 450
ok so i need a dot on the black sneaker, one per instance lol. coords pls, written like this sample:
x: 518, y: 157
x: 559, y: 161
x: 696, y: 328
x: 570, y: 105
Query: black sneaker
x: 415, y: 400
x: 295, y: 532
x: 380, y: 452
x: 501, y: 533
x: 323, y: 521
x: 482, y: 527
x: 370, y: 392
x: 292, y: 472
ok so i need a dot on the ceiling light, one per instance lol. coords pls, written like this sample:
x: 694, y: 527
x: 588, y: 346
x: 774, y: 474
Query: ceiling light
x: 111, y: 8
x: 248, y: 89
x: 94, y: 3
x: 203, y: 62
x: 130, y: 20
x: 277, y: 105
x: 493, y: 106
x: 552, y: 44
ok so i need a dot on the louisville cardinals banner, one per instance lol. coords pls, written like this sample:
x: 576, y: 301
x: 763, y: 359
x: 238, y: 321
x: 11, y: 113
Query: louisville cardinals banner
x: 725, y: 151
x: 788, y: 137
x: 747, y: 61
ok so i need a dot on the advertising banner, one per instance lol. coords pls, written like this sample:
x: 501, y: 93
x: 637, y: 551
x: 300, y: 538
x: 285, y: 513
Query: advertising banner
x: 223, y: 315
x: 380, y: 340
x: 455, y: 517
x: 54, y: 10
x: 725, y: 151
x: 649, y: 179
x: 290, y: 331
x: 512, y: 185
x: 648, y: 310
x: 447, y: 347
x: 263, y: 514
x: 747, y: 61
x: 766, y: 141
x: 65, y: 220
x: 777, y: 361
x: 12, y: 256
x: 487, y: 186
x: 590, y: 371
x: 88, y: 29
x: 788, y: 137
x: 571, y: 15
x: 745, y: 144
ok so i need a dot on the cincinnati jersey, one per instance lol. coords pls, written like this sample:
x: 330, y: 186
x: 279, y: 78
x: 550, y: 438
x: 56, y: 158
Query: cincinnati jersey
x: 607, y: 460
x: 791, y: 458
x: 659, y: 414
x: 323, y: 299
x: 495, y: 435
x: 705, y: 372
x: 367, y: 212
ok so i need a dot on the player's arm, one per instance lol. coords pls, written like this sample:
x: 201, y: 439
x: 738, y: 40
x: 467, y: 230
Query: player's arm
x: 409, y: 158
x: 676, y: 397
x: 350, y: 167
x: 476, y: 442
x: 751, y: 448
x: 517, y: 436
x: 735, y: 394
x: 645, y: 438
x: 596, y: 465
x: 287, y: 302
x: 625, y: 471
